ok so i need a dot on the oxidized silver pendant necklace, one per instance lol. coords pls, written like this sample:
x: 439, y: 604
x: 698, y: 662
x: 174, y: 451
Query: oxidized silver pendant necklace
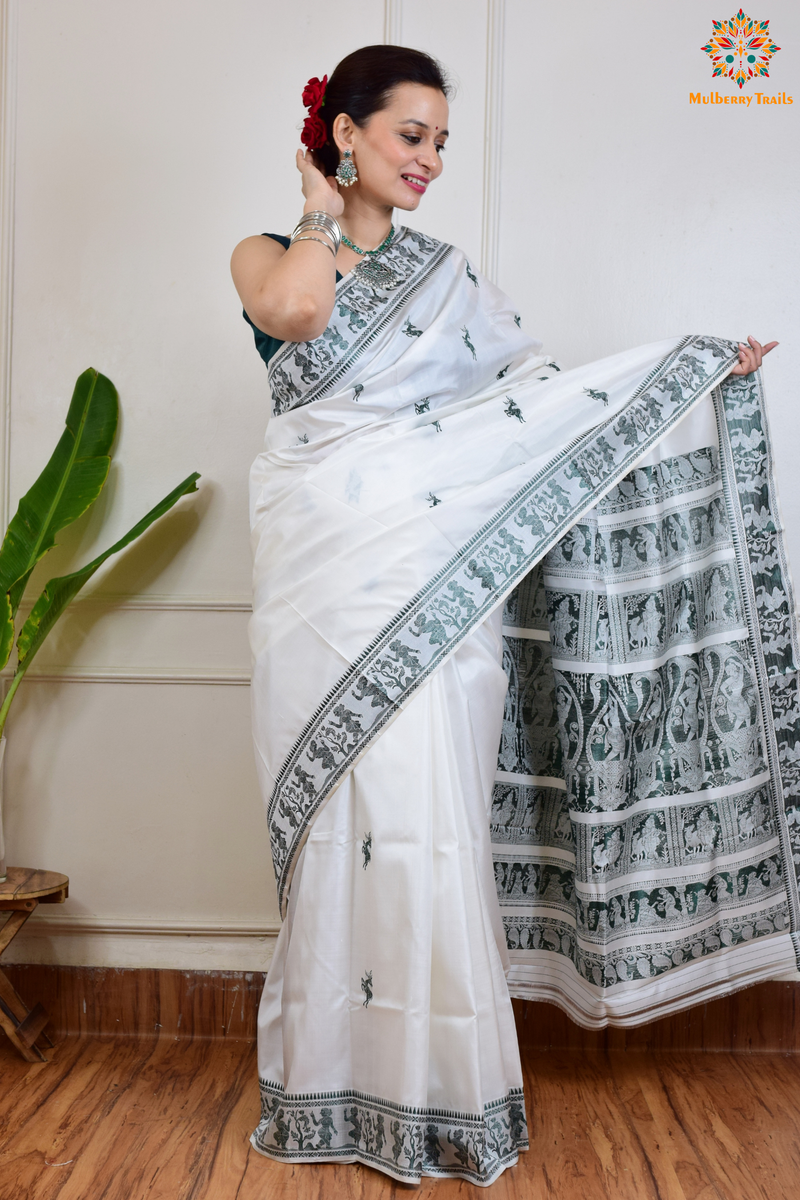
x: 369, y: 268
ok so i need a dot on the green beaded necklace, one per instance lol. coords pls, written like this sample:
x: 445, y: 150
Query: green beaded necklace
x: 372, y: 253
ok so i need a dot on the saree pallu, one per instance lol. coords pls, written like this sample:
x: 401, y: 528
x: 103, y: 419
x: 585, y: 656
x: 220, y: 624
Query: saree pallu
x: 436, y: 496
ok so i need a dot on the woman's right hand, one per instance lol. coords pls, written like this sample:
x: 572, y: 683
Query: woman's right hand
x: 321, y: 191
x: 289, y: 294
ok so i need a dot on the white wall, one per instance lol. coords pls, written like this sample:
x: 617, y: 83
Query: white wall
x: 149, y: 139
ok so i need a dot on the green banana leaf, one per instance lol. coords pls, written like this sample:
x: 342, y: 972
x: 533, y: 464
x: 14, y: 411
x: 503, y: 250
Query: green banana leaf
x: 61, y: 590
x: 69, y: 484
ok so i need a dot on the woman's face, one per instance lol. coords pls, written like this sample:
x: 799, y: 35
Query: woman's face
x: 398, y: 153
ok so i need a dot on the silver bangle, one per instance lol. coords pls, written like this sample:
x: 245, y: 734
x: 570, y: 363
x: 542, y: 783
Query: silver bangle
x: 324, y: 223
x: 319, y: 214
x: 311, y: 238
x: 315, y: 227
x: 331, y: 228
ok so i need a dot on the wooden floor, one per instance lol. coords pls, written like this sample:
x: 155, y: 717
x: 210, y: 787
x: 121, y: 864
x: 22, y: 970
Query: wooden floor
x: 116, y: 1118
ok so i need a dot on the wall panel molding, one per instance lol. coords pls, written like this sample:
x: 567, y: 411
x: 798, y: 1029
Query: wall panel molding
x: 393, y: 22
x: 188, y: 675
x: 70, y: 923
x: 125, y: 602
x: 492, y: 164
x: 8, y: 114
x: 147, y: 640
x: 157, y: 603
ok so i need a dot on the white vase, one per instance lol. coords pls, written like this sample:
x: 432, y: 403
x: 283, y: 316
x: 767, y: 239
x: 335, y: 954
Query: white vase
x: 2, y: 835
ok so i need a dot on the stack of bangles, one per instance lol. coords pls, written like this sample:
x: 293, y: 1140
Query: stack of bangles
x: 323, y: 223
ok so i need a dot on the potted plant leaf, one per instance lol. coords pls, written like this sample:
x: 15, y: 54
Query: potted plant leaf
x: 68, y: 486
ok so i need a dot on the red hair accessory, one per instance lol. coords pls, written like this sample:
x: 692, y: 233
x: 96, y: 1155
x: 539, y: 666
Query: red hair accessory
x: 314, y: 134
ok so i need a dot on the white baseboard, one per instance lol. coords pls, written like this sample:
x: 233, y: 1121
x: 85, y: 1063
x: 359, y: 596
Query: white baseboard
x: 87, y: 941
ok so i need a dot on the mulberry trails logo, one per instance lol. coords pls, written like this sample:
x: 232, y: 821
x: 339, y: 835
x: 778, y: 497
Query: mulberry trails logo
x: 741, y: 49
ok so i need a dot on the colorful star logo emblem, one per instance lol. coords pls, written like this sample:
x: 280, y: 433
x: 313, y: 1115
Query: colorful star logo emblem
x: 741, y: 48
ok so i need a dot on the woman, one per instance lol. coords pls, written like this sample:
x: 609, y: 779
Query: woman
x: 423, y: 458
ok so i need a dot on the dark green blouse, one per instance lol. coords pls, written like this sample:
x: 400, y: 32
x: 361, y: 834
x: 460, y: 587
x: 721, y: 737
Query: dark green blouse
x: 266, y: 345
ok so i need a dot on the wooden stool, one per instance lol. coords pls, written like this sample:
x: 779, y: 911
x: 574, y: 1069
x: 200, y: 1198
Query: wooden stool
x: 20, y: 895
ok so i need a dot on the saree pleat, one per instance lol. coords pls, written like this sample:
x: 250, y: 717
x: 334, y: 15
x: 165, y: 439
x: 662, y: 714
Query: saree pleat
x: 386, y: 1002
x: 435, y: 495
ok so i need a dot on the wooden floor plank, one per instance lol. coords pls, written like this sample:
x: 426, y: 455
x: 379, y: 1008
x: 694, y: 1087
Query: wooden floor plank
x: 628, y: 1169
x: 160, y: 1119
x: 162, y: 1144
x: 676, y: 1164
x: 695, y: 1156
x: 562, y: 1157
x: 72, y: 1118
x: 743, y: 1114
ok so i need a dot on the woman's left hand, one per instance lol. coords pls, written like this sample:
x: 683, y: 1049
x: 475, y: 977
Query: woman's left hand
x: 750, y: 356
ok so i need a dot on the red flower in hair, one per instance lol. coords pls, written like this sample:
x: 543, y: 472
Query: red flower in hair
x: 314, y: 94
x: 314, y: 135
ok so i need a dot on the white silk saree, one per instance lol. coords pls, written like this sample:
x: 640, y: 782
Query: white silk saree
x: 525, y: 704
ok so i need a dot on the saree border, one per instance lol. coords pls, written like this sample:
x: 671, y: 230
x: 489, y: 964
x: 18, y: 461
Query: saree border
x: 479, y: 1146
x: 551, y: 977
x: 756, y: 531
x: 466, y: 589
x: 325, y: 360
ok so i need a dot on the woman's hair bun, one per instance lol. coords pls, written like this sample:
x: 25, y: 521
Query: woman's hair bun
x: 362, y: 84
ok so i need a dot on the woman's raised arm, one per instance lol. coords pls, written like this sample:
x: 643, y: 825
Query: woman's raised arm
x: 289, y: 294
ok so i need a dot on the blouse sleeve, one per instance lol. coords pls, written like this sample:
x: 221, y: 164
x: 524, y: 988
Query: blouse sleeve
x: 266, y: 345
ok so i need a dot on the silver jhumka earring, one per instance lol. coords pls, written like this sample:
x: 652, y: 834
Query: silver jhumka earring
x: 346, y: 174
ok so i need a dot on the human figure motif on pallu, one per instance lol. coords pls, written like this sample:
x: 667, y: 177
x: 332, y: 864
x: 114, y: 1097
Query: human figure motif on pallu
x: 660, y: 768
